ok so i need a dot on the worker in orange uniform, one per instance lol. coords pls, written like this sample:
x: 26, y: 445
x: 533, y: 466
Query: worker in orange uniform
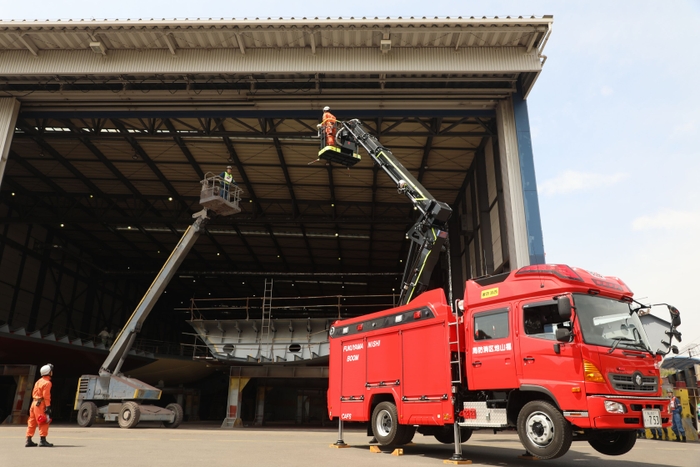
x: 328, y: 125
x: 40, y: 408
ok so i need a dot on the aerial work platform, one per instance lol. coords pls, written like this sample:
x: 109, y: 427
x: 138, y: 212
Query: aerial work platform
x: 218, y: 196
x: 344, y: 152
x: 339, y: 155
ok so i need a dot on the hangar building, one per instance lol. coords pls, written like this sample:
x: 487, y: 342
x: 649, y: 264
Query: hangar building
x: 108, y: 127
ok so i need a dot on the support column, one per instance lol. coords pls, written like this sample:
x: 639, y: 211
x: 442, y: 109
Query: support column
x: 260, y: 405
x: 527, y: 172
x: 235, y: 399
x: 525, y: 231
x: 24, y: 378
x: 9, y: 109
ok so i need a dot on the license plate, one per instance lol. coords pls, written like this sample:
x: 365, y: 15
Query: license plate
x: 652, y: 418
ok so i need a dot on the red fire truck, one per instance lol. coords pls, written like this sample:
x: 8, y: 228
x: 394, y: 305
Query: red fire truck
x: 557, y: 353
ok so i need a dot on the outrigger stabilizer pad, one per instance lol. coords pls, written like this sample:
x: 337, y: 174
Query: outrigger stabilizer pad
x: 457, y: 462
x: 338, y: 155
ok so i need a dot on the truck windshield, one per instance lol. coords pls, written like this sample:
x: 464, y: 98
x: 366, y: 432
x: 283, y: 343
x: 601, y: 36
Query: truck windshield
x: 609, y: 323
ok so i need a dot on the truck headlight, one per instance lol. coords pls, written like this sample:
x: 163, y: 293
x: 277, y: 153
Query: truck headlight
x: 614, y: 407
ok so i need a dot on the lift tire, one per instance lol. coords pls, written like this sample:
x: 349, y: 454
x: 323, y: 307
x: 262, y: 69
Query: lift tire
x: 129, y: 415
x: 87, y: 412
x: 447, y: 434
x: 179, y: 415
x: 385, y: 424
x: 614, y: 443
x: 543, y: 430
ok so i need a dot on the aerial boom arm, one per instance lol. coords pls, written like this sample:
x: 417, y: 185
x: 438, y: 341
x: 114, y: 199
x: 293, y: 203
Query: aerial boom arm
x: 429, y: 233
x: 125, y: 339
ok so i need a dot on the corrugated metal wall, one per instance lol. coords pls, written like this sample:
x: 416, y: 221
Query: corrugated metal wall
x: 47, y: 289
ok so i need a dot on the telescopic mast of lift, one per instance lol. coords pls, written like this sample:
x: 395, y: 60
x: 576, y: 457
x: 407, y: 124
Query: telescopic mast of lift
x: 429, y: 234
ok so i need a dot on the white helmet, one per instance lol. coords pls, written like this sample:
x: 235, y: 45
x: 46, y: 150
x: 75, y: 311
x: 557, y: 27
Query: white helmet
x: 46, y: 369
x: 326, y: 109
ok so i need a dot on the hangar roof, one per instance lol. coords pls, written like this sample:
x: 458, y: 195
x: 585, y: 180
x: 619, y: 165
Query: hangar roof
x: 245, y: 34
x: 120, y: 119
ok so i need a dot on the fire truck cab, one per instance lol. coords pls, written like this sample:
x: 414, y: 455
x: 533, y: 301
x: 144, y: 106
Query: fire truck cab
x: 557, y: 353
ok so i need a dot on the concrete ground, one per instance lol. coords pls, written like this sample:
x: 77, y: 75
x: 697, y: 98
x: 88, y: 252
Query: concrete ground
x: 209, y: 446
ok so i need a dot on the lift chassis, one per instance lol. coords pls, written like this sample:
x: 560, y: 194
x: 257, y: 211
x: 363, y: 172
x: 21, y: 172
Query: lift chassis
x: 110, y: 394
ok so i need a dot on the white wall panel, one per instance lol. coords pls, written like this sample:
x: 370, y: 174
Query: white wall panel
x: 78, y: 62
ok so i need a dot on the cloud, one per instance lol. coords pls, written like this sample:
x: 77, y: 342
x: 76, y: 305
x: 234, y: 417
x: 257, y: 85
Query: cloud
x: 687, y: 128
x: 667, y: 220
x: 571, y: 181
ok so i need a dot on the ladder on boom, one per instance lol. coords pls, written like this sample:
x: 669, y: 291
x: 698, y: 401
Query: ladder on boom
x: 265, y: 338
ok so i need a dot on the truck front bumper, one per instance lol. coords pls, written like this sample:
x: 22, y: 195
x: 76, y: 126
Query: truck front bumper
x: 599, y: 417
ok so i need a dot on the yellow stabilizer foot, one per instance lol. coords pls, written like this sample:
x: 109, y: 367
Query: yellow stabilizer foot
x: 338, y: 446
x: 453, y: 462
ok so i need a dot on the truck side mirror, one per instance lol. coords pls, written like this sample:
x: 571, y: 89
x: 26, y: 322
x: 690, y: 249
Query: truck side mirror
x: 675, y: 316
x: 564, y: 308
x: 563, y: 335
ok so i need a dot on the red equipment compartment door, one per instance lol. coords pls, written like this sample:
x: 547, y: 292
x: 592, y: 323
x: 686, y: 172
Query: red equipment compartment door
x: 383, y: 361
x: 353, y: 378
x: 426, y: 362
x: 354, y: 363
x: 491, y: 354
x: 539, y: 364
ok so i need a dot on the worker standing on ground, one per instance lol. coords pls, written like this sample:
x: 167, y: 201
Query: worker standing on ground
x: 227, y: 180
x: 40, y: 408
x: 328, y: 125
x: 676, y: 409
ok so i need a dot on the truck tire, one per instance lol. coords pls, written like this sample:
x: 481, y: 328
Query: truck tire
x: 543, y: 430
x: 179, y: 415
x: 447, y: 435
x: 406, y: 434
x: 129, y: 415
x: 385, y: 425
x: 614, y: 443
x: 86, y: 414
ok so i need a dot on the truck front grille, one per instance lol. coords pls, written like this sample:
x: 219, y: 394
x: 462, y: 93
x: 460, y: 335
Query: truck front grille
x: 626, y: 383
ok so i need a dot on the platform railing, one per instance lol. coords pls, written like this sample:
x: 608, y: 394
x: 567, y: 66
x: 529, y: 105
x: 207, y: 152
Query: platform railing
x: 216, y: 191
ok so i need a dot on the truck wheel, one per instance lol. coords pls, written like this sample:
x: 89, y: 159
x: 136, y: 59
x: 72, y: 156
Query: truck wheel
x: 179, y: 415
x: 86, y: 414
x: 447, y: 435
x: 385, y: 424
x: 614, y: 443
x: 129, y: 415
x: 543, y: 430
x: 406, y: 434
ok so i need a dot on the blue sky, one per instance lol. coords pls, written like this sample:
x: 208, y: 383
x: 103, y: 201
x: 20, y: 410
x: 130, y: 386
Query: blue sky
x: 614, y: 115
